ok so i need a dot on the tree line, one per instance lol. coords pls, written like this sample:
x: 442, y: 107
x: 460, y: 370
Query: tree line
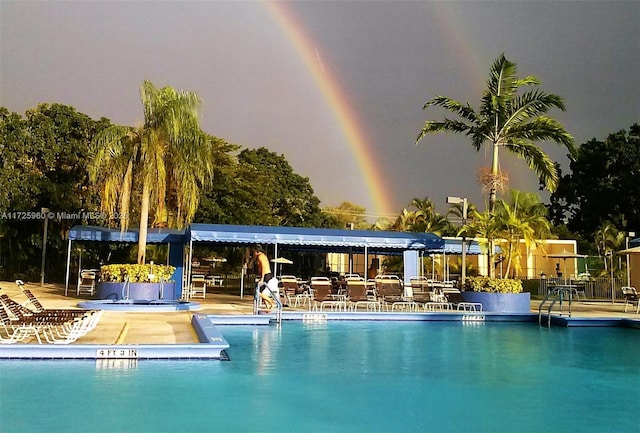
x: 57, y: 158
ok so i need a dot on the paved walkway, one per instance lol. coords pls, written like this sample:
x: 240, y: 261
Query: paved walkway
x: 175, y: 327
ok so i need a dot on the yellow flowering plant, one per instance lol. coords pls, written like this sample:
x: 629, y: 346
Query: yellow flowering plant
x: 493, y: 285
x: 150, y: 273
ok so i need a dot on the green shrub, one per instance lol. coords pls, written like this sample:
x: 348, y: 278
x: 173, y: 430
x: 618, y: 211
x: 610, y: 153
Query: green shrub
x: 493, y: 285
x: 136, y: 273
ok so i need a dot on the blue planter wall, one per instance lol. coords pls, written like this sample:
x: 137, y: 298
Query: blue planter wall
x: 500, y: 302
x: 137, y: 291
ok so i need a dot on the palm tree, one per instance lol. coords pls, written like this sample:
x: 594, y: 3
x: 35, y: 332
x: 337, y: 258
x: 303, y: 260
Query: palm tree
x: 608, y: 239
x: 424, y: 219
x: 164, y: 161
x: 507, y: 119
x: 524, y: 217
x: 487, y: 228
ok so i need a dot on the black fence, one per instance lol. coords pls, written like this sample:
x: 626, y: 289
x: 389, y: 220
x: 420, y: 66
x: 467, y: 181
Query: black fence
x: 593, y: 288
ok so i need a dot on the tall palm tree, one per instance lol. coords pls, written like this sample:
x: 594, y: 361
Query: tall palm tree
x: 507, y: 119
x: 165, y: 161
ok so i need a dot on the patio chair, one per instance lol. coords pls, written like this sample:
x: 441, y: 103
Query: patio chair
x: 391, y: 291
x: 631, y: 298
x: 453, y: 294
x: 198, y: 286
x: 322, y: 296
x: 11, y: 332
x: 357, y: 295
x: 87, y: 283
x: 21, y: 313
x: 39, y: 308
x: 290, y: 288
x: 420, y: 290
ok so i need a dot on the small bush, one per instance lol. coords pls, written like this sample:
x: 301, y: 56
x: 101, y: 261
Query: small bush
x: 136, y: 273
x: 493, y: 285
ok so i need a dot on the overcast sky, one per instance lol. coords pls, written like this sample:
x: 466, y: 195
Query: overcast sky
x: 386, y: 58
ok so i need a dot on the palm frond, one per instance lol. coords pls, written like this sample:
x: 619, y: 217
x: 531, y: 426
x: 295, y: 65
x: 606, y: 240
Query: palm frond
x: 529, y: 80
x: 446, y: 125
x: 502, y: 78
x: 537, y: 160
x: 540, y: 129
x: 534, y: 103
x: 463, y: 110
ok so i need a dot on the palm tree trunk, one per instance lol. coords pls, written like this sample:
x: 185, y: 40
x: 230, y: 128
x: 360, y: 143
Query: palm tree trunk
x: 494, y: 177
x: 492, y: 201
x: 125, y: 199
x: 509, y: 260
x: 490, y: 266
x: 144, y: 223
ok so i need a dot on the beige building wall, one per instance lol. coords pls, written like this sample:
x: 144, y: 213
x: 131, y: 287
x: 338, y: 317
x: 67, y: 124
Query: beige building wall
x: 533, y: 264
x: 536, y: 261
x: 634, y: 266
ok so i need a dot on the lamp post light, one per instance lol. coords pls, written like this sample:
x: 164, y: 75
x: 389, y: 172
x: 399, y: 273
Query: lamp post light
x: 463, y: 200
x: 629, y: 235
x: 45, y: 214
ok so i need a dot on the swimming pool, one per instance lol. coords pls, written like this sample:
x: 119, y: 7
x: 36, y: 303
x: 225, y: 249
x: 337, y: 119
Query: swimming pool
x: 348, y: 377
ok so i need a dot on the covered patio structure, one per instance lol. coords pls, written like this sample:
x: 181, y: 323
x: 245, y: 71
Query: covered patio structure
x: 318, y: 240
x: 301, y: 239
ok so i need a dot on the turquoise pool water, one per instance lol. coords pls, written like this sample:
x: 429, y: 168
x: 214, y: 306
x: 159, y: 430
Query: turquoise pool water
x: 347, y: 377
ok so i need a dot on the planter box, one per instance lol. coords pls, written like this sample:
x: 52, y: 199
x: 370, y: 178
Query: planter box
x: 137, y: 291
x: 500, y: 302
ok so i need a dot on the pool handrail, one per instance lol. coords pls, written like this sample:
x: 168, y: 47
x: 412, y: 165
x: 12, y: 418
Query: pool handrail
x: 557, y: 293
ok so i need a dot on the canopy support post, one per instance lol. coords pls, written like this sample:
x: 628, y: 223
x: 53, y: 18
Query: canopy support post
x: 66, y: 285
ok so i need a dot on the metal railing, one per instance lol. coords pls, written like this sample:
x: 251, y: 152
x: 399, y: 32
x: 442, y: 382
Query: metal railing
x: 594, y: 288
x: 278, y: 309
x: 555, y: 295
x: 125, y: 289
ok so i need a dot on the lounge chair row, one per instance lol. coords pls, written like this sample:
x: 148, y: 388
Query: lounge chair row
x: 19, y: 323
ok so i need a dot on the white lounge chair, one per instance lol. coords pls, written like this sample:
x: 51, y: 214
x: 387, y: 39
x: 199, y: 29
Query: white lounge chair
x: 87, y: 283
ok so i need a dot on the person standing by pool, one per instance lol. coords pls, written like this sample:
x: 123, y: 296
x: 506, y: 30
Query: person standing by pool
x: 264, y: 270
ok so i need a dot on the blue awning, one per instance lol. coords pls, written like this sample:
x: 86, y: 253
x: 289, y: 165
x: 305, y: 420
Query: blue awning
x: 323, y: 239
x: 110, y: 234
x: 454, y: 246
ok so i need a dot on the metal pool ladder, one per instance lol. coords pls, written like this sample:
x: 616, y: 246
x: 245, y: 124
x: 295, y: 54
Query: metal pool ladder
x: 125, y: 289
x: 256, y: 303
x: 556, y: 294
x: 278, y: 310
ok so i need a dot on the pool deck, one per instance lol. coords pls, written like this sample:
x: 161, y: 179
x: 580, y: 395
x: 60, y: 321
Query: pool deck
x: 170, y: 328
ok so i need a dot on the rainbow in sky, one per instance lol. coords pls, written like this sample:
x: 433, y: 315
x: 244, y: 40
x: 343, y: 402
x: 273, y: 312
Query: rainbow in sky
x: 339, y: 105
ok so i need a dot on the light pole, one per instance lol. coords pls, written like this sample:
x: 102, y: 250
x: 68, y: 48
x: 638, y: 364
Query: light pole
x: 629, y: 235
x: 613, y: 291
x: 463, y: 200
x: 350, y: 227
x: 45, y: 213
